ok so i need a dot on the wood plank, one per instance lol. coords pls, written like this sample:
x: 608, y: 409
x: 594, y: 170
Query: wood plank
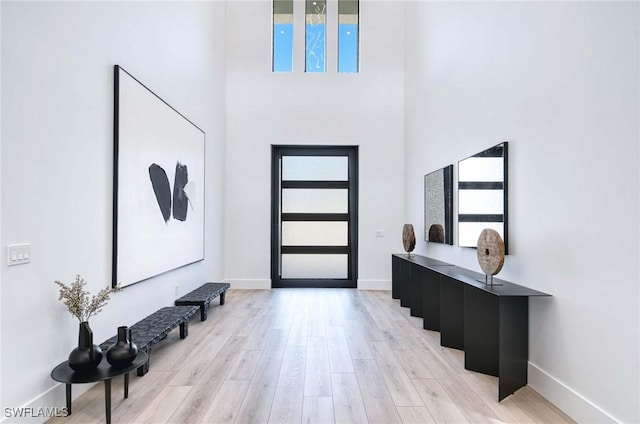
x: 339, y: 355
x: 381, y: 315
x: 164, y: 405
x: 259, y: 336
x: 356, y: 341
x: 486, y: 387
x: 398, y: 383
x: 299, y: 330
x: 538, y: 407
x: 287, y: 401
x: 371, y: 332
x: 414, y: 363
x: 207, y: 383
x: 225, y: 406
x: 377, y: 400
x: 347, y: 400
x: 318, y: 410
x: 256, y: 405
x: 397, y: 341
x: 245, y: 365
x: 441, y: 407
x: 415, y: 415
x: 316, y: 325
x: 142, y: 391
x: 317, y: 376
x: 467, y: 400
x: 332, y: 310
x: 226, y: 352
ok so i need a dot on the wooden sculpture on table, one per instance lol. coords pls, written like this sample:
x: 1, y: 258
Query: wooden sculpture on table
x: 408, y: 238
x: 490, y: 253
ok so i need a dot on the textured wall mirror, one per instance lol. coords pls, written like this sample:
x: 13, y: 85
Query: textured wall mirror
x: 438, y: 206
x: 482, y: 195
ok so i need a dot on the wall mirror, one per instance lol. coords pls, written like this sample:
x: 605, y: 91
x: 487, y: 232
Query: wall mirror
x: 482, y: 195
x: 438, y: 206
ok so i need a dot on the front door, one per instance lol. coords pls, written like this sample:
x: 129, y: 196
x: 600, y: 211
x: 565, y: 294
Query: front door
x: 314, y: 224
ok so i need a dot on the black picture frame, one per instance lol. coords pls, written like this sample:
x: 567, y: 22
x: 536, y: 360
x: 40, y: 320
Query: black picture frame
x: 438, y: 206
x: 483, y: 195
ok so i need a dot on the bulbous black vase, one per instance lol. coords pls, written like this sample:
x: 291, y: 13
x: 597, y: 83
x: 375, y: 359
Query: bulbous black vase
x: 86, y: 356
x: 124, y: 351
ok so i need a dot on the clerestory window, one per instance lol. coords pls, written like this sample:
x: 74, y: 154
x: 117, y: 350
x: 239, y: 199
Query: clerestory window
x: 315, y: 30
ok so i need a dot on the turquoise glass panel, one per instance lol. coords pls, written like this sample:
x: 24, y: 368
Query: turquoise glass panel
x: 282, y: 47
x: 315, y: 47
x: 348, y: 48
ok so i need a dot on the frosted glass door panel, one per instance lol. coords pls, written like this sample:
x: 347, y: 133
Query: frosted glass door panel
x: 314, y: 233
x: 315, y: 168
x: 308, y: 200
x: 481, y: 169
x: 314, y: 266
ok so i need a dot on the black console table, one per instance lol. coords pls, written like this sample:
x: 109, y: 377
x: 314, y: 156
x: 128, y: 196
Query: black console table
x: 105, y: 372
x: 489, y: 322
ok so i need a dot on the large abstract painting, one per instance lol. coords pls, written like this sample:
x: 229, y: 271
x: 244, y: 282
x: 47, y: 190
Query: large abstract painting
x: 158, y: 216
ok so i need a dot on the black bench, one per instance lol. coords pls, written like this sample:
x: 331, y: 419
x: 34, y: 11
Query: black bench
x: 203, y: 295
x: 156, y: 327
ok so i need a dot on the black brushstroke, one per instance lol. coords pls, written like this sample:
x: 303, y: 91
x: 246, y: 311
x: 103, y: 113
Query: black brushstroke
x: 161, y: 188
x: 180, y: 200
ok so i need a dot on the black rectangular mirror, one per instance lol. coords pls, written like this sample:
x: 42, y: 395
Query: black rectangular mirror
x: 438, y: 206
x: 482, y: 195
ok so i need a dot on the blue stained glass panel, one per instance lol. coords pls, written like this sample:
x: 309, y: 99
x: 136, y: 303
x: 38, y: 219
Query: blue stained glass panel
x: 315, y: 47
x: 282, y: 47
x: 348, y: 48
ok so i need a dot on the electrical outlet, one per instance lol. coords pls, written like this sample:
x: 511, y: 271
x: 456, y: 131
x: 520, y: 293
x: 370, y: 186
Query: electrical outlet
x: 379, y: 233
x: 18, y: 254
x: 177, y: 290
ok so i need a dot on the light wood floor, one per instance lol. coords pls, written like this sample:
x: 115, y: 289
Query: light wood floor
x: 310, y: 356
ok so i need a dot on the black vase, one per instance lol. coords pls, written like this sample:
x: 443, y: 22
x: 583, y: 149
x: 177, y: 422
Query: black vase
x: 124, y: 351
x: 86, y: 356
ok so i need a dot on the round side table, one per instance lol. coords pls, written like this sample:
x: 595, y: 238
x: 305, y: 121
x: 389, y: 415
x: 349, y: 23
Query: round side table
x: 105, y: 372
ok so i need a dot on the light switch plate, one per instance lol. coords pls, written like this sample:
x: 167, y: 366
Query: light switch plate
x: 18, y: 254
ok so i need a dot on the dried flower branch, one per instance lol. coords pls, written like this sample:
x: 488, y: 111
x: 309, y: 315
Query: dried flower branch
x: 77, y: 301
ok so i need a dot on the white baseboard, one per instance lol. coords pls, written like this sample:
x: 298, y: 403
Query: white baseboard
x: 572, y: 403
x: 257, y: 284
x: 374, y: 284
x: 262, y: 284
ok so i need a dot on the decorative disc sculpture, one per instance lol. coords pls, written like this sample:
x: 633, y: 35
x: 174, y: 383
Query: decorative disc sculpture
x: 408, y: 238
x: 490, y: 253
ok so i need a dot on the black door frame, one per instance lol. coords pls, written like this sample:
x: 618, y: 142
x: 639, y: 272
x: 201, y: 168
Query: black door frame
x: 277, y: 152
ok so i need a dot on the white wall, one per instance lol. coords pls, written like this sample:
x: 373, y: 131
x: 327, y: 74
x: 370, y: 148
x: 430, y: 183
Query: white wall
x: 57, y: 141
x: 559, y: 81
x: 364, y: 109
x: 1, y: 379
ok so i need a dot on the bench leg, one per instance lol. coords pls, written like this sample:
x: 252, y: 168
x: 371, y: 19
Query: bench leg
x: 222, y: 298
x: 203, y: 312
x: 184, y: 329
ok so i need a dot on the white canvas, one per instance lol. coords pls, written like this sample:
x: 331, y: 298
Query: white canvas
x: 150, y: 131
